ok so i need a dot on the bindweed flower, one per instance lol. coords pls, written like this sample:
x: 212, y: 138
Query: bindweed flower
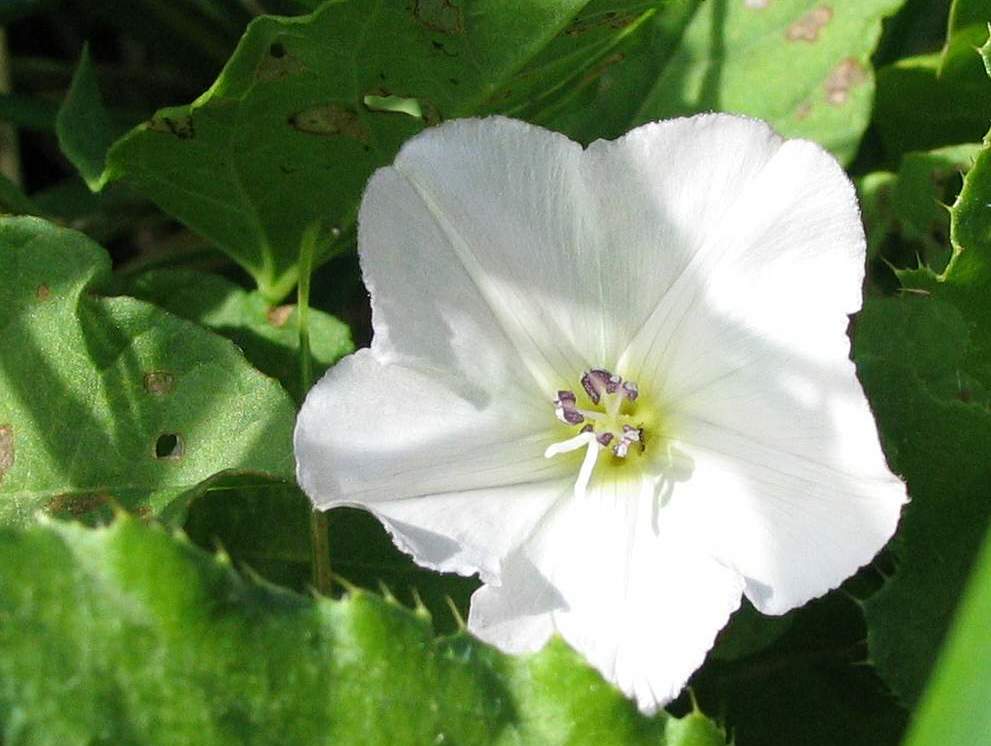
x: 613, y: 381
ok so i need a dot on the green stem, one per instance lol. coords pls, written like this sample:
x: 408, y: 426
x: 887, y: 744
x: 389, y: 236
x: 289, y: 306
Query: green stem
x: 319, y: 539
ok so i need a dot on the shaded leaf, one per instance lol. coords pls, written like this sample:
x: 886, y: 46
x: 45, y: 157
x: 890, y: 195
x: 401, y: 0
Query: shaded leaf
x: 933, y: 414
x: 810, y: 686
x: 936, y: 99
x: 909, y: 207
x: 288, y: 134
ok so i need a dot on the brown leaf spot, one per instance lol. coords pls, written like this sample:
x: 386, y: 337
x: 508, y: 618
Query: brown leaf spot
x: 6, y: 449
x: 807, y: 27
x: 77, y: 505
x: 279, y: 315
x: 159, y: 382
x: 329, y: 120
x: 179, y: 126
x: 444, y: 16
x: 43, y: 292
x: 803, y: 111
x: 844, y: 77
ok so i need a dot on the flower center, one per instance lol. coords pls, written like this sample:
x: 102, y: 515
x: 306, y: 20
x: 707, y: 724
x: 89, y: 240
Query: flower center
x: 610, y: 422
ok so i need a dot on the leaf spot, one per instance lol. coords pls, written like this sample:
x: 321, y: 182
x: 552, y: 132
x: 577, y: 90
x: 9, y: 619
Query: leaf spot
x: 808, y: 26
x: 180, y: 126
x: 76, y: 505
x: 279, y: 315
x: 329, y: 120
x: 159, y: 382
x: 6, y: 449
x: 847, y: 75
x: 43, y: 292
x: 278, y: 64
x: 444, y: 16
x: 169, y: 446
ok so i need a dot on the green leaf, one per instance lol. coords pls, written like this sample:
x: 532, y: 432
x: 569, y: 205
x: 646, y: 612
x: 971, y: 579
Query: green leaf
x: 545, y: 90
x: 926, y: 366
x: 909, y: 206
x: 154, y: 642
x: 810, y: 686
x: 108, y: 401
x: 933, y: 414
x: 804, y: 66
x: 936, y: 99
x: 955, y: 707
x: 268, y: 335
x: 84, y: 128
x: 294, y: 125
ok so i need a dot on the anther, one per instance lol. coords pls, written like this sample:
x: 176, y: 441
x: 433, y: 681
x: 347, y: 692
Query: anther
x: 597, y: 382
x: 566, y: 408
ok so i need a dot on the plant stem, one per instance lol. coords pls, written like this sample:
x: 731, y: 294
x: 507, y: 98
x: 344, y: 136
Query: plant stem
x: 319, y: 540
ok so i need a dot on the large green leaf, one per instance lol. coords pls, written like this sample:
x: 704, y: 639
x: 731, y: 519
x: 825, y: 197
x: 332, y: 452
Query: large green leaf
x: 127, y: 635
x: 933, y: 414
x: 802, y: 65
x: 308, y: 107
x: 956, y: 705
x: 109, y: 401
x: 926, y: 363
x: 268, y: 335
x: 809, y: 686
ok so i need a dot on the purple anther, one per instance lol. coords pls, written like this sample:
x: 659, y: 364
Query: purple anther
x: 632, y: 434
x: 621, y: 448
x: 630, y: 390
x: 565, y: 407
x: 597, y: 382
x: 604, y: 438
x: 587, y: 428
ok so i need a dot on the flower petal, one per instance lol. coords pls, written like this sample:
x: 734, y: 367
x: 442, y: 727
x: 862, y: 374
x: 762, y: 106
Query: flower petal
x: 788, y: 482
x: 777, y: 257
x: 747, y: 352
x: 634, y: 596
x: 428, y: 461
x: 478, y: 248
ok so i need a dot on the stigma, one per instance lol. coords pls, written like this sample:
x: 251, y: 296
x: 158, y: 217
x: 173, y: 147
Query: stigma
x: 607, y: 423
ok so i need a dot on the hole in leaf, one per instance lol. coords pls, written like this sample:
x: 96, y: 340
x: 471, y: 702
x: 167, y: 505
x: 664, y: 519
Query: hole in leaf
x: 168, y: 445
x: 408, y: 106
x: 277, y: 50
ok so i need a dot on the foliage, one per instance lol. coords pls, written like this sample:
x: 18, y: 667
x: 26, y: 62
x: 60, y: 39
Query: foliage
x: 154, y: 381
x: 212, y: 658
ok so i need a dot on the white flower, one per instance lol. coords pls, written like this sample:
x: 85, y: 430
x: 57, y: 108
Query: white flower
x: 614, y: 382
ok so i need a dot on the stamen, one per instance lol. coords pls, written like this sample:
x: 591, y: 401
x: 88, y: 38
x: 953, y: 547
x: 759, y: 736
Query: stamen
x: 597, y: 382
x: 566, y: 408
x: 605, y: 425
